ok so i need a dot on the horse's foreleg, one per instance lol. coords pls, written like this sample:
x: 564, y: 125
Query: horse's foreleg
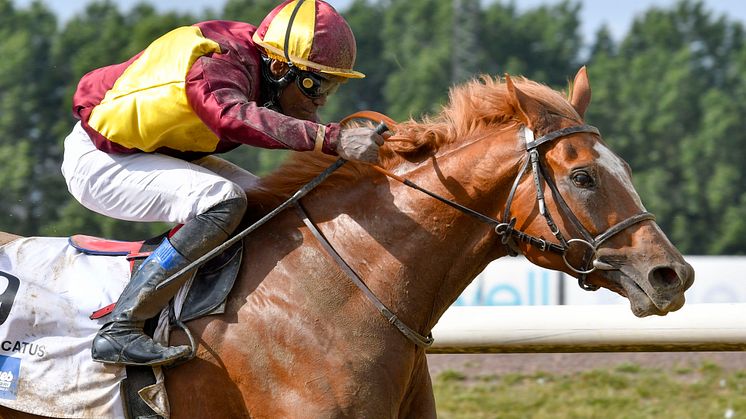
x: 419, y: 401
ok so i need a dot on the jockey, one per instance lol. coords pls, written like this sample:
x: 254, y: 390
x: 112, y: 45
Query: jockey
x: 143, y: 148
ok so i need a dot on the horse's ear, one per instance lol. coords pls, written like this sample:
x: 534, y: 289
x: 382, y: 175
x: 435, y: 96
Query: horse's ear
x: 529, y: 109
x: 581, y: 92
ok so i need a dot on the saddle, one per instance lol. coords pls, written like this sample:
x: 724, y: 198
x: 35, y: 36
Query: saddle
x: 207, y: 295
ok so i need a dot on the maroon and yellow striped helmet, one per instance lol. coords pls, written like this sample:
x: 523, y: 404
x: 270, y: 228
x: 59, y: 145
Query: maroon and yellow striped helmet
x: 319, y: 38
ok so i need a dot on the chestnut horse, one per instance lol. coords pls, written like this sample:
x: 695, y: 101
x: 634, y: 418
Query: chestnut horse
x: 300, y: 340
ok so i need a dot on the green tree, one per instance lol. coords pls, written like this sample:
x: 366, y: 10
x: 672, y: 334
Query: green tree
x: 147, y: 25
x: 365, y: 19
x: 672, y: 92
x: 28, y: 117
x: 249, y: 11
x: 417, y: 43
x: 543, y: 44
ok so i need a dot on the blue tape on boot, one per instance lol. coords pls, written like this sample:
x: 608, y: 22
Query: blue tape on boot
x: 168, y: 257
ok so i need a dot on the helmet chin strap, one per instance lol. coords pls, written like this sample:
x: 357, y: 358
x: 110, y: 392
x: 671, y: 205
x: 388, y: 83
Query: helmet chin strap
x: 278, y: 84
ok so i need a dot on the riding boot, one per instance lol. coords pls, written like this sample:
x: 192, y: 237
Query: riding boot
x: 122, y: 341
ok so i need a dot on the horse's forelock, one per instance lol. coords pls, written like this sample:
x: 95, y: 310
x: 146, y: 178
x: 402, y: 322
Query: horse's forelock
x: 473, y: 107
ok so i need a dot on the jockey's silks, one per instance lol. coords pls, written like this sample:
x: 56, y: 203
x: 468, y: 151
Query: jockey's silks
x: 194, y: 91
x: 147, y: 107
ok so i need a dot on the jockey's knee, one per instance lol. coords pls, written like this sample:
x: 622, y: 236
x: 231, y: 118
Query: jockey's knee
x: 227, y: 215
x: 224, y: 205
x: 210, y: 228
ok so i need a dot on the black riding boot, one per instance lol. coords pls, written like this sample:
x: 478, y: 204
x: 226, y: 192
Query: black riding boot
x: 122, y: 341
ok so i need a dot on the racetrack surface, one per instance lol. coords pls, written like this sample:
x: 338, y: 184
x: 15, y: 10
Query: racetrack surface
x: 473, y: 365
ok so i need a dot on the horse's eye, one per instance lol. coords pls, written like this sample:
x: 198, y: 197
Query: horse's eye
x: 582, y: 179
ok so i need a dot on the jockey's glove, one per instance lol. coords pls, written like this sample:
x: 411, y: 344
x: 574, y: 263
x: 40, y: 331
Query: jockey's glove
x: 359, y: 144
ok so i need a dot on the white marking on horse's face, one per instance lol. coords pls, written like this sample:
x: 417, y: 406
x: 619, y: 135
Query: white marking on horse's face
x: 617, y: 169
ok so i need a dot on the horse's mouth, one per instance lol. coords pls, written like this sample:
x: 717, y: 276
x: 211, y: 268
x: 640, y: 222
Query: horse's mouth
x: 641, y: 304
x: 657, y: 293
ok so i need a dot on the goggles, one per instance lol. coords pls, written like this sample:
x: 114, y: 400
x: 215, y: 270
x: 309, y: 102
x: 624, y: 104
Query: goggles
x: 314, y: 85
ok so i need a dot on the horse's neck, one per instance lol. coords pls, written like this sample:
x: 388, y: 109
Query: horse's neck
x: 416, y: 253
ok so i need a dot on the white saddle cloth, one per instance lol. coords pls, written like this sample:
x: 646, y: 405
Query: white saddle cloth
x: 45, y: 342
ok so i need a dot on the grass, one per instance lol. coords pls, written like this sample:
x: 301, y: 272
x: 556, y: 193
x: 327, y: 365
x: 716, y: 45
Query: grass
x: 627, y: 391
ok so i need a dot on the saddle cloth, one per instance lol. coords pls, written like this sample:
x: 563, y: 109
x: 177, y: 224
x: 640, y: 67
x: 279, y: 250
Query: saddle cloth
x: 49, y: 290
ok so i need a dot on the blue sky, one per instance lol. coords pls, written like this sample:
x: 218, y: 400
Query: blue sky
x: 618, y: 14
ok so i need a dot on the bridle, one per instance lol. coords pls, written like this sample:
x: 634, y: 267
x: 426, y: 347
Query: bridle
x: 507, y: 229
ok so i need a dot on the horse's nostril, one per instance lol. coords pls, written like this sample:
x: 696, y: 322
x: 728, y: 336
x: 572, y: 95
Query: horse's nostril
x: 666, y: 277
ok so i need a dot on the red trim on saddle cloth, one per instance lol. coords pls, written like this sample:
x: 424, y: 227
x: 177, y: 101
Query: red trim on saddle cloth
x: 97, y: 246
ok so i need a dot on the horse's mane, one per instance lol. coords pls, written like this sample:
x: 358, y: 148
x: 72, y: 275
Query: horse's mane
x: 473, y: 107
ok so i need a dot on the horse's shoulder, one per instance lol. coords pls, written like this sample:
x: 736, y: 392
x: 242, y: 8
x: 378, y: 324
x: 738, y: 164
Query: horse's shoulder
x: 7, y: 238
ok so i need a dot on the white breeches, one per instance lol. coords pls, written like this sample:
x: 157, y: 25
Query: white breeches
x: 148, y: 186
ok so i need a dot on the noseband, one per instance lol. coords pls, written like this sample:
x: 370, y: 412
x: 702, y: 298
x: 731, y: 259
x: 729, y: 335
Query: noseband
x: 507, y: 230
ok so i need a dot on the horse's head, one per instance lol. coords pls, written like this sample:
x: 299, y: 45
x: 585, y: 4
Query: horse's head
x: 603, y: 234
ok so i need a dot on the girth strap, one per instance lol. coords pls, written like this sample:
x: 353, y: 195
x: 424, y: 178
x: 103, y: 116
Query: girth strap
x: 416, y: 338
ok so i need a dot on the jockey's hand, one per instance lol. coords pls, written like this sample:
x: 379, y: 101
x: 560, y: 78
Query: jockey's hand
x: 359, y: 144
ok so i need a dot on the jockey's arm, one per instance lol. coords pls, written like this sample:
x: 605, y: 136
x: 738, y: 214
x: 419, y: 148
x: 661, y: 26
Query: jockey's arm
x: 224, y: 95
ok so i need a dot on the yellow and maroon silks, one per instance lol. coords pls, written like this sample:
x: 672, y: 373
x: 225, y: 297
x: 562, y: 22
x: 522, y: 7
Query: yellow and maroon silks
x: 160, y: 99
x: 157, y: 78
x: 318, y: 40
